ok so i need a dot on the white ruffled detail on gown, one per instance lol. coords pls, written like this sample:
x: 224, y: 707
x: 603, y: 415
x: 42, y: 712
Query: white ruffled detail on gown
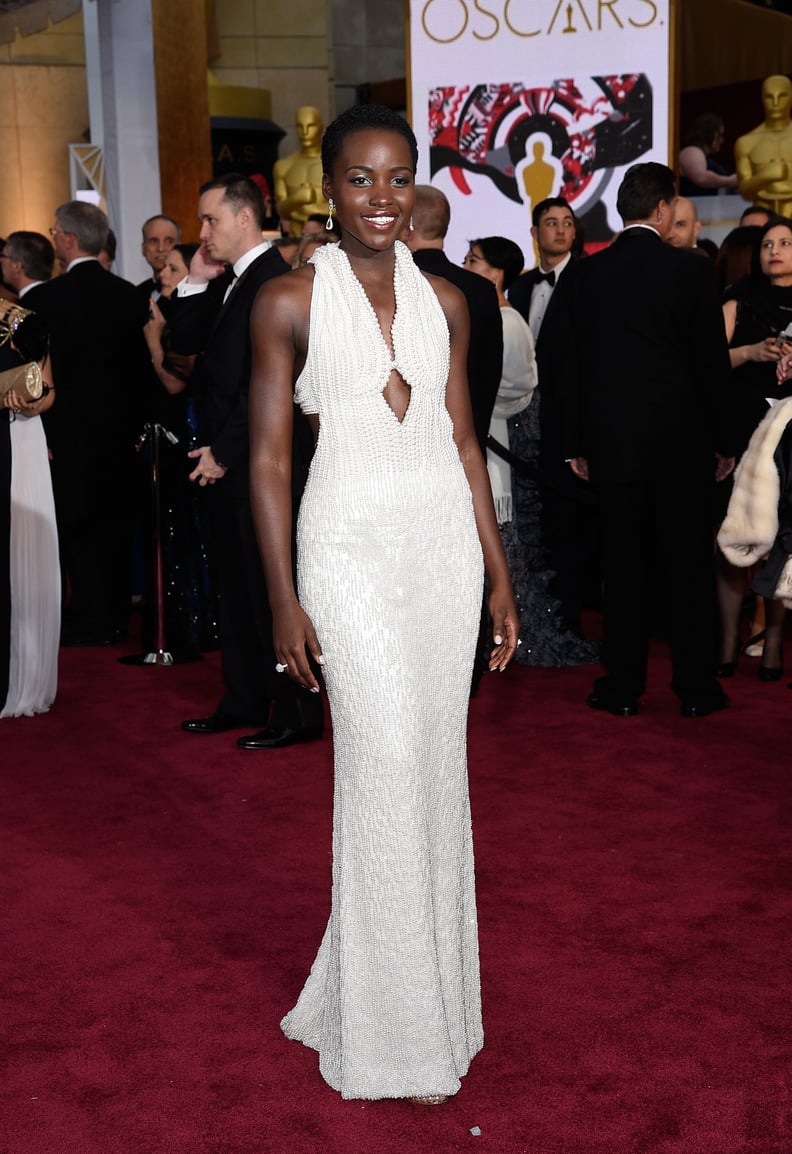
x: 35, y: 574
x: 390, y: 571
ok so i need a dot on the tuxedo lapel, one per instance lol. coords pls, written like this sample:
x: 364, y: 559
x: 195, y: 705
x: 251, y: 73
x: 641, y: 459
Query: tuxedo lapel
x: 223, y: 310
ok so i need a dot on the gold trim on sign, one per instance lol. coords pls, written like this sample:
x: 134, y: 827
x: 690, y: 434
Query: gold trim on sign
x: 674, y: 82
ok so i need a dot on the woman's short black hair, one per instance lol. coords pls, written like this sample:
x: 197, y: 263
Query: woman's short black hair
x: 186, y: 251
x: 502, y: 253
x: 360, y: 118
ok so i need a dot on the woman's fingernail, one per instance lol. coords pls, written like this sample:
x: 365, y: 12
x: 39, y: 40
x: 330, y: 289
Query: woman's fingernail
x: 314, y: 689
x: 320, y: 660
x: 498, y: 639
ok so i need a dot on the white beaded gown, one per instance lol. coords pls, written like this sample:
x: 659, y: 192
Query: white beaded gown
x: 390, y: 571
x: 30, y: 599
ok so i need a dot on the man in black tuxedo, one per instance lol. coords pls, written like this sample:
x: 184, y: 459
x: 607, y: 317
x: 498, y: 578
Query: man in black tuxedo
x: 645, y: 388
x: 430, y: 220
x: 568, y: 517
x: 98, y: 365
x: 231, y: 211
x: 160, y: 234
x: 554, y: 229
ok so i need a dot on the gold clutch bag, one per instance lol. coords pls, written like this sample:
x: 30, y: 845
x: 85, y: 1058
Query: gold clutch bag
x: 26, y: 334
x: 25, y: 380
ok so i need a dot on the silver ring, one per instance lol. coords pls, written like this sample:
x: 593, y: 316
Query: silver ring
x: 281, y: 668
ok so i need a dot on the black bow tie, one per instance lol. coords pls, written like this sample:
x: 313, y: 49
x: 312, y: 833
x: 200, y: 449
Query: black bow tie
x: 546, y: 276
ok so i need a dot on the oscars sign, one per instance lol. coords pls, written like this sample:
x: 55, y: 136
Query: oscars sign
x: 513, y: 101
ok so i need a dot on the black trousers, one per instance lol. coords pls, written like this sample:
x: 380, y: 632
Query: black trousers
x: 253, y: 690
x: 92, y: 492
x: 665, y: 522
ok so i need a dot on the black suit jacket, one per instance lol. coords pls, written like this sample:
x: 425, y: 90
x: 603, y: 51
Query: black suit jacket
x: 645, y: 380
x: 99, y: 362
x: 520, y: 292
x: 146, y: 290
x: 222, y: 372
x: 485, y: 351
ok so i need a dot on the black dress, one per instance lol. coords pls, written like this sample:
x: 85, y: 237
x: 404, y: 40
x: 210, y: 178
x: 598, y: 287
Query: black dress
x: 763, y: 310
x: 191, y: 610
x: 546, y: 639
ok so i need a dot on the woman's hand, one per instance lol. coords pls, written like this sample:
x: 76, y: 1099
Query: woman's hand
x: 505, y: 629
x: 12, y: 401
x: 784, y: 370
x: 152, y: 329
x: 770, y: 349
x: 294, y: 639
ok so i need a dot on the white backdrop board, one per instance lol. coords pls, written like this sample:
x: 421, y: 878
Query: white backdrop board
x: 516, y: 100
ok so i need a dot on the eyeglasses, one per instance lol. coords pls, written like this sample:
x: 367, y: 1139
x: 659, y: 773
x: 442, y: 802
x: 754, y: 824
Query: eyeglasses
x: 63, y: 232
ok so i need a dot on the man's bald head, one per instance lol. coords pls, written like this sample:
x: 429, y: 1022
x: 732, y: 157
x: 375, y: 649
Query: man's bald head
x: 430, y: 218
x: 686, y: 227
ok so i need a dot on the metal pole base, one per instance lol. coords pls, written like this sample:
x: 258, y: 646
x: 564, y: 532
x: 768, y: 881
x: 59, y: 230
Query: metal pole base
x: 159, y: 657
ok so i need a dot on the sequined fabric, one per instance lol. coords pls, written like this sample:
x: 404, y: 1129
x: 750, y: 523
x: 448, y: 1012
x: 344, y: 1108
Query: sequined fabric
x: 546, y: 641
x: 191, y: 602
x: 390, y: 571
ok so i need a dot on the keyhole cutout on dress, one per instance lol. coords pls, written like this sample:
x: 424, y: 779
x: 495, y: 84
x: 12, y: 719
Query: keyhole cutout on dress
x: 397, y: 394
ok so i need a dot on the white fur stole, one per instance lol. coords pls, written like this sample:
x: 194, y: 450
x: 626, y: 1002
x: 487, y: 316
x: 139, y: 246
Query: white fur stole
x: 751, y: 523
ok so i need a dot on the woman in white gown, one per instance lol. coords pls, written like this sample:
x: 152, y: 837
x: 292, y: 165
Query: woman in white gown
x: 396, y: 514
x: 29, y: 567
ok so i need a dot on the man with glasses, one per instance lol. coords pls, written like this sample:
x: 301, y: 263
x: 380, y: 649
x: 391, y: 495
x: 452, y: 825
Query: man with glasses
x: 95, y: 320
x: 26, y: 261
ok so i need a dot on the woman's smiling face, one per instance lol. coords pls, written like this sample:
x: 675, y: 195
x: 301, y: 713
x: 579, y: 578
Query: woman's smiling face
x: 373, y: 186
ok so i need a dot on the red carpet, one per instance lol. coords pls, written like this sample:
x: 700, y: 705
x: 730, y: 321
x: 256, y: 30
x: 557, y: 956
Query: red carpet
x: 164, y: 894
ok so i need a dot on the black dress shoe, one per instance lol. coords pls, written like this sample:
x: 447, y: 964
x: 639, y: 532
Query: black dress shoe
x: 609, y: 705
x: 704, y: 707
x: 275, y: 737
x: 771, y: 672
x: 217, y: 722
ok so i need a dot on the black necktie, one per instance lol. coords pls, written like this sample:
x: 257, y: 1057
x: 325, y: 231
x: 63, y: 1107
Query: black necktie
x: 546, y: 276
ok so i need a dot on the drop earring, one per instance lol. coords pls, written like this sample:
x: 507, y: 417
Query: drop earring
x: 329, y: 225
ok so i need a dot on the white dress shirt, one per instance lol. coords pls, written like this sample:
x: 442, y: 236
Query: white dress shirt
x: 185, y: 289
x: 540, y: 297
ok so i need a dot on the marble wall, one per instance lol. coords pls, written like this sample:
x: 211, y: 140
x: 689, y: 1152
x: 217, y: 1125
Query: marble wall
x: 284, y: 46
x: 43, y: 109
x: 369, y: 43
x: 301, y: 51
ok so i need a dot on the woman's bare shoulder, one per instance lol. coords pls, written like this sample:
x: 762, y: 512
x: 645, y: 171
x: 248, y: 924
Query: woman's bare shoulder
x: 292, y: 289
x: 451, y: 299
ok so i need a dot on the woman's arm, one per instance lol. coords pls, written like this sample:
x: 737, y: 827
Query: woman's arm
x: 770, y: 349
x: 505, y: 621
x: 693, y: 165
x: 35, y: 408
x: 278, y: 331
x: 152, y: 331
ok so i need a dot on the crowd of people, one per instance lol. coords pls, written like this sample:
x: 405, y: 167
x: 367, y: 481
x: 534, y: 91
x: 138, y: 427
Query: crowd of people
x: 386, y: 474
x: 171, y: 354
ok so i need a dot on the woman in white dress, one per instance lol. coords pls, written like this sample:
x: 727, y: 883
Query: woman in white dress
x: 29, y: 568
x: 396, y: 515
